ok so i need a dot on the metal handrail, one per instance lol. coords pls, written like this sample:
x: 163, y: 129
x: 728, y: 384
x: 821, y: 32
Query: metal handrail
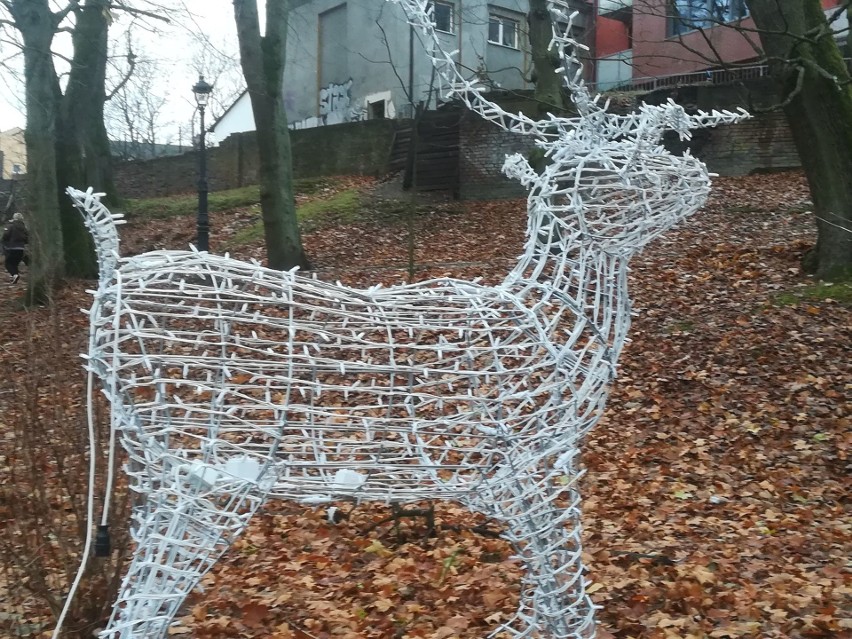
x: 707, y: 76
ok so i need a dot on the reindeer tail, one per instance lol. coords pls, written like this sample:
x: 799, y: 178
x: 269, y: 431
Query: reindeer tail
x: 102, y: 225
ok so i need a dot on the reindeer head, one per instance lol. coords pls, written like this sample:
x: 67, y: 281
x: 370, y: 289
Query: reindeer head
x: 610, y: 185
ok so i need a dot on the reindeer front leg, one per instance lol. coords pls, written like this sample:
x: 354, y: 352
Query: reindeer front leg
x: 540, y: 510
x: 191, y: 514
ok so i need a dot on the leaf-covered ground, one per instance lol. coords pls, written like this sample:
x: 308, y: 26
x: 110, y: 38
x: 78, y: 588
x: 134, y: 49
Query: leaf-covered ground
x: 716, y: 499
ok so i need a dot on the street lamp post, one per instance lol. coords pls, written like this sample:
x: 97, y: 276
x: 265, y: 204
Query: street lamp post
x: 202, y: 92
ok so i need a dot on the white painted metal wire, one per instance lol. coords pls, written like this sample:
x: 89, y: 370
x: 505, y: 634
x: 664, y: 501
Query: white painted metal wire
x: 231, y: 383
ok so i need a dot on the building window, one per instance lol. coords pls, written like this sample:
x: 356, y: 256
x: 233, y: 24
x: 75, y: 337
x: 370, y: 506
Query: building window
x: 688, y: 15
x: 443, y: 16
x: 503, y: 31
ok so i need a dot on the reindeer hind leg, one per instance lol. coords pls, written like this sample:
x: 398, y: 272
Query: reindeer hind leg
x: 181, y: 530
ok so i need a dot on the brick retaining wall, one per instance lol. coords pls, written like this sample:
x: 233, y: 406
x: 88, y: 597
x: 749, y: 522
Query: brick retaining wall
x: 483, y: 148
x: 763, y: 143
x: 356, y: 148
x: 759, y: 144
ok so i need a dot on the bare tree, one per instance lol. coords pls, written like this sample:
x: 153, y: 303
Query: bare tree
x: 814, y: 92
x: 37, y: 25
x: 65, y: 135
x: 220, y: 64
x: 262, y: 58
x: 68, y: 116
x: 816, y: 96
x: 135, y: 112
x: 82, y: 145
x: 548, y: 83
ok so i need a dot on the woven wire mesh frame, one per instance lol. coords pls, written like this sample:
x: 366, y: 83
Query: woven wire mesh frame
x: 231, y: 383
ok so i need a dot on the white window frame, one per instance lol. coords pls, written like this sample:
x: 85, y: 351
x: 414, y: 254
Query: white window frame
x: 452, y: 8
x: 501, y: 20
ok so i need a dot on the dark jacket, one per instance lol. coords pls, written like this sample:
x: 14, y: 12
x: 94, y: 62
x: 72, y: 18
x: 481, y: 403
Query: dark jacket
x: 15, y: 236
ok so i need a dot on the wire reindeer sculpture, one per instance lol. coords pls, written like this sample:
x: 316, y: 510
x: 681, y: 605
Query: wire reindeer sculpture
x: 232, y: 384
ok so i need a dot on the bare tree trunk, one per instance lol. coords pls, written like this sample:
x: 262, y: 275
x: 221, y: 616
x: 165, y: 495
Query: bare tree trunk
x: 67, y: 143
x: 83, y: 154
x: 85, y: 96
x: 35, y: 21
x: 262, y: 60
x: 548, y: 83
x: 815, y: 88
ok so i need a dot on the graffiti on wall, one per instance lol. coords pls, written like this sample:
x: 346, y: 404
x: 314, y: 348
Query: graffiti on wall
x: 335, y: 106
x: 335, y: 98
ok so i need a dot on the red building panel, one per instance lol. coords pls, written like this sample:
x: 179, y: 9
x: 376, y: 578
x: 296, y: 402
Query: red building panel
x: 656, y: 52
x: 611, y: 36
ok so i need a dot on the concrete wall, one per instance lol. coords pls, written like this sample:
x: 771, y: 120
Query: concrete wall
x: 318, y: 91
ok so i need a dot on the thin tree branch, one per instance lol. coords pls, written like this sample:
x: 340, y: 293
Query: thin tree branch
x: 800, y: 82
x: 709, y: 42
x: 60, y: 15
x: 131, y: 65
x: 120, y: 6
x: 406, y: 90
x: 838, y: 12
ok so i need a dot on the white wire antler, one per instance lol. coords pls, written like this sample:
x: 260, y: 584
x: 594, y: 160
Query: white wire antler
x: 648, y: 124
x: 231, y: 383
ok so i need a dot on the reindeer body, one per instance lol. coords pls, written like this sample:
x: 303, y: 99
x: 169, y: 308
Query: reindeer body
x: 232, y: 384
x: 333, y: 378
x: 229, y: 379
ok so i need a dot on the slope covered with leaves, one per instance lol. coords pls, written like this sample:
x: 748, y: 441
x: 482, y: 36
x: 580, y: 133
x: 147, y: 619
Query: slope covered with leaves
x: 716, y: 499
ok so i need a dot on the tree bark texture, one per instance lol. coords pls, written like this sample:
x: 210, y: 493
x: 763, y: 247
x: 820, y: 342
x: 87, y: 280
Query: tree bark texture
x: 815, y: 86
x: 34, y: 20
x: 262, y: 59
x: 548, y: 83
x: 83, y: 153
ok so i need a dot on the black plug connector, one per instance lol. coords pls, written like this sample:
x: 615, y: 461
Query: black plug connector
x: 102, y: 543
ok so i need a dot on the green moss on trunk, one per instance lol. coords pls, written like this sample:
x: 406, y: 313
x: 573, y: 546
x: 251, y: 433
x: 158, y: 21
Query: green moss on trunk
x: 818, y: 104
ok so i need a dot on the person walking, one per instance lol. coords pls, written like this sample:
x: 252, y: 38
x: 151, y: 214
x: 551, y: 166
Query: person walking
x: 14, y: 241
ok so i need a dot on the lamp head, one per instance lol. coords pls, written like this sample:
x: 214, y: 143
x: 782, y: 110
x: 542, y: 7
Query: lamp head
x: 202, y: 90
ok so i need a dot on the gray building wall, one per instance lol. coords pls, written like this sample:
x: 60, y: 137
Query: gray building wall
x: 342, y: 54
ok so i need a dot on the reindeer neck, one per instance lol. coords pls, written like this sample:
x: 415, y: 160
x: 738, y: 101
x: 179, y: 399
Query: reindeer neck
x: 564, y: 278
